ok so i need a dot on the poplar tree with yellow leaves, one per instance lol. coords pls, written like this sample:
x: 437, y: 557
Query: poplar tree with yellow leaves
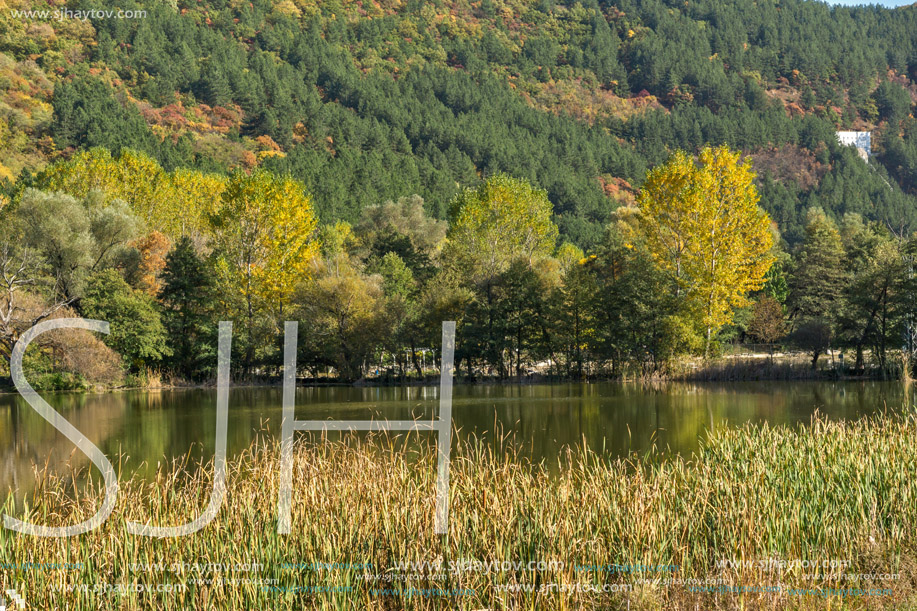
x: 264, y: 235
x: 175, y: 203
x: 705, y: 229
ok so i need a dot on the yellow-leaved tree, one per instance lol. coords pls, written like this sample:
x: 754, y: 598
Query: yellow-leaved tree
x: 264, y: 234
x: 175, y: 203
x: 196, y: 197
x: 704, y: 227
x: 499, y: 222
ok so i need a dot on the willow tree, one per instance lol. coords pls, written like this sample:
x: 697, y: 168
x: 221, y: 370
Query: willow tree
x: 704, y: 227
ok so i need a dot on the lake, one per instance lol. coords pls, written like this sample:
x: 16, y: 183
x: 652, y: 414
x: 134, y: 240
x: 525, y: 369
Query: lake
x: 145, y: 428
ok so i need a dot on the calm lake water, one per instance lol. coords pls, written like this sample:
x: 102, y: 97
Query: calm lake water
x: 151, y: 427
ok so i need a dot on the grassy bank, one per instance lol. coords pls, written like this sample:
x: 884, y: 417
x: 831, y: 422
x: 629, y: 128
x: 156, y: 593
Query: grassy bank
x: 748, y: 367
x: 844, y: 492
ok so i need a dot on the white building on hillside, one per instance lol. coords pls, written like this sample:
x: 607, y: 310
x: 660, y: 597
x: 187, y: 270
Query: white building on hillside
x: 861, y: 140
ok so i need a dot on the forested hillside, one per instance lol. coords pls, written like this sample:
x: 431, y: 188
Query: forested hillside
x: 578, y: 185
x: 369, y: 101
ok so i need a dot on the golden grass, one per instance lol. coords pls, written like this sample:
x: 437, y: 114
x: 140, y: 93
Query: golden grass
x: 829, y: 491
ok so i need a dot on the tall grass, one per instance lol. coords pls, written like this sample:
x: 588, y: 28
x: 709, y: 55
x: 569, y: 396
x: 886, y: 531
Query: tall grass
x: 738, y: 369
x: 828, y: 491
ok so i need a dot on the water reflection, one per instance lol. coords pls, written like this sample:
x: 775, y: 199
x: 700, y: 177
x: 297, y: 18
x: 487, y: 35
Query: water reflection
x: 139, y: 430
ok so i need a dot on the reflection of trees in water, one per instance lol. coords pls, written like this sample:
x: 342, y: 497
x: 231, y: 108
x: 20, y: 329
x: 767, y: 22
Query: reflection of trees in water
x: 624, y: 418
x: 148, y: 428
x: 28, y: 442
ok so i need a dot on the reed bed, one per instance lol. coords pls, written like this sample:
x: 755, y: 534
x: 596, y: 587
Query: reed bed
x: 829, y: 491
x: 744, y: 369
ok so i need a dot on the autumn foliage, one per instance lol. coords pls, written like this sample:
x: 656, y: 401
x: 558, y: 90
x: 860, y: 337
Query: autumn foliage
x: 705, y: 229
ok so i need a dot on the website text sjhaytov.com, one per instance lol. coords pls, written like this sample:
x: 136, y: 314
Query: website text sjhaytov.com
x: 441, y: 579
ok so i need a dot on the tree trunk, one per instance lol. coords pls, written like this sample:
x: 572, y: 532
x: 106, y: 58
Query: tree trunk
x: 250, y: 349
x: 415, y: 361
x: 519, y: 352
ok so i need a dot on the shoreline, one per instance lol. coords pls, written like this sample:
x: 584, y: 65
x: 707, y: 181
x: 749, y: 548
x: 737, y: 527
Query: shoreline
x: 433, y: 382
x: 746, y: 367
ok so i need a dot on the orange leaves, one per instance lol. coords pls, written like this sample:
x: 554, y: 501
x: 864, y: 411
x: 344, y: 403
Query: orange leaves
x: 153, y: 249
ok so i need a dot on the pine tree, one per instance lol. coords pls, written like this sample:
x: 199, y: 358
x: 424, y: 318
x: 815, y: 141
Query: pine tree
x: 186, y: 297
x: 817, y: 284
x: 819, y: 276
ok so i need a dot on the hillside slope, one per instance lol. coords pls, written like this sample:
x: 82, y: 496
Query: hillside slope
x: 367, y: 101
